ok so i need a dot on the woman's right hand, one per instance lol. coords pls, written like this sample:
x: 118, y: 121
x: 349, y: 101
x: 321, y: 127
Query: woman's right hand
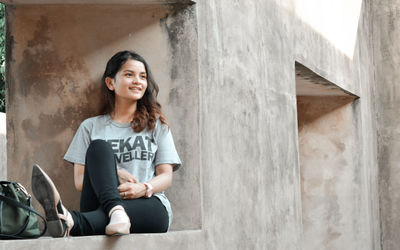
x: 124, y: 176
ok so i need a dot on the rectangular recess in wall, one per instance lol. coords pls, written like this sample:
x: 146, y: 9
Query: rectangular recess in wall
x: 329, y: 156
x: 56, y: 56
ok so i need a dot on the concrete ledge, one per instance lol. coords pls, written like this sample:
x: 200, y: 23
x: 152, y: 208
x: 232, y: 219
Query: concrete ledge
x: 170, y: 240
x: 15, y: 2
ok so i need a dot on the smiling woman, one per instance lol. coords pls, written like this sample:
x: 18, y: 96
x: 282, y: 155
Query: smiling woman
x: 123, y: 160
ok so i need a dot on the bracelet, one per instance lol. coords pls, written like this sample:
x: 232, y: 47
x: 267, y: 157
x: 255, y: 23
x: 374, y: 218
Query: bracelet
x: 149, y: 189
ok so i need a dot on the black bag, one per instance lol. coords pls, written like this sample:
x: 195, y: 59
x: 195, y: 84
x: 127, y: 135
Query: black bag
x: 18, y: 219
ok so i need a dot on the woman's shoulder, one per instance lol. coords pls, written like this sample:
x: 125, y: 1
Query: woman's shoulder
x: 91, y: 121
x: 160, y: 128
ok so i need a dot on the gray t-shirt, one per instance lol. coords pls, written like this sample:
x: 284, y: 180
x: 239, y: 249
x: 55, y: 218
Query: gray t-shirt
x: 137, y: 153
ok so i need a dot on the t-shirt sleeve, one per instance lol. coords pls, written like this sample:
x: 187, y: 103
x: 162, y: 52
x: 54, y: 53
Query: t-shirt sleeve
x: 166, y: 152
x: 76, y: 152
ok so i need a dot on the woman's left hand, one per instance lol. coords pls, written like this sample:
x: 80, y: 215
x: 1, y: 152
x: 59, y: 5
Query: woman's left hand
x: 129, y: 190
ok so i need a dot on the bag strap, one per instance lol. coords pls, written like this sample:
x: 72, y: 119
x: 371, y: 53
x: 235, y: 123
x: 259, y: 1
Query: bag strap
x: 30, y: 209
x: 7, y: 182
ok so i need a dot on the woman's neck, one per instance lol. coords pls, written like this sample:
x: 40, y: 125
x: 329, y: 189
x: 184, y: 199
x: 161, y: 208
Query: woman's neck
x: 123, y: 112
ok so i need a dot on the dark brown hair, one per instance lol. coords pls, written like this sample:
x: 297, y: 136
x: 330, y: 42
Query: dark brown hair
x: 148, y: 109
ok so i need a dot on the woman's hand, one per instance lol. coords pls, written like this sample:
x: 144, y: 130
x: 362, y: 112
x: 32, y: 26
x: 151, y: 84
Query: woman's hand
x: 162, y: 180
x: 124, y: 177
x: 129, y: 190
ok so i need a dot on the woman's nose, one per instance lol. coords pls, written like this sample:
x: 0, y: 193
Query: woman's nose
x: 135, y: 79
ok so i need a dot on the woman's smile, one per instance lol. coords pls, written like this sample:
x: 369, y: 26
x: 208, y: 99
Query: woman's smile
x: 135, y: 88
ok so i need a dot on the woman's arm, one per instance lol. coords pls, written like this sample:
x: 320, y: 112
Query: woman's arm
x: 163, y: 178
x: 79, y: 169
x: 160, y: 182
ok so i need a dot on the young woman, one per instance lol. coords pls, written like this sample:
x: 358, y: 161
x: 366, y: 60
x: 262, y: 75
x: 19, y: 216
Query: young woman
x: 123, y: 160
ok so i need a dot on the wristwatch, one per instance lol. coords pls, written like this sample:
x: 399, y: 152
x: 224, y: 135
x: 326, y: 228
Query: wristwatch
x: 149, y: 189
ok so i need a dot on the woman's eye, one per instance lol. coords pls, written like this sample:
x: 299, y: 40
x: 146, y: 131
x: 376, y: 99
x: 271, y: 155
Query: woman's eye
x: 128, y: 74
x: 143, y: 76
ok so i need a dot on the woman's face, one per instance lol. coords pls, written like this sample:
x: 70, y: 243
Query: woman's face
x: 130, y: 82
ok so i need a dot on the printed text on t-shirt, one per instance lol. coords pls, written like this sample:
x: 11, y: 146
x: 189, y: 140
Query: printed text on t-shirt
x: 130, y: 149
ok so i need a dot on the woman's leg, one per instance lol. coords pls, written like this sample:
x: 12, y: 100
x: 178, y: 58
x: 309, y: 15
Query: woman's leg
x: 89, y: 223
x: 146, y: 215
x: 100, y: 195
x: 89, y: 200
x: 100, y: 182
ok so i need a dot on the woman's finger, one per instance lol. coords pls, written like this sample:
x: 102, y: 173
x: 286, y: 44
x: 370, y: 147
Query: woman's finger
x: 125, y: 186
x: 124, y: 195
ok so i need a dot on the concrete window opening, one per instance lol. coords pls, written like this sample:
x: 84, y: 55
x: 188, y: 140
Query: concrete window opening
x: 56, y: 57
x: 329, y: 162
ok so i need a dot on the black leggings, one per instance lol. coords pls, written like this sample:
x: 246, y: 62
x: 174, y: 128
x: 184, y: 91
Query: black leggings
x: 100, y: 194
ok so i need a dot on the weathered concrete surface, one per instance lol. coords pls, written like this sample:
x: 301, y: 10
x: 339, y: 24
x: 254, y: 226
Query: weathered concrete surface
x: 56, y: 84
x: 237, y: 120
x: 249, y: 135
x: 330, y: 176
x: 309, y: 83
x: 170, y: 241
x: 3, y: 147
x: 386, y: 31
x: 351, y: 67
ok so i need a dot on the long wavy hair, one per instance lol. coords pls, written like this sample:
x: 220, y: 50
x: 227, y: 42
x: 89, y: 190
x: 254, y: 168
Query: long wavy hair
x: 148, y: 109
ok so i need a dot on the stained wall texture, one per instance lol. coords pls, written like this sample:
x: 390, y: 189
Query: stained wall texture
x: 231, y: 94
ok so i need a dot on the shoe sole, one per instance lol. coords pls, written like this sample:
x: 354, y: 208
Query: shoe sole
x: 42, y: 188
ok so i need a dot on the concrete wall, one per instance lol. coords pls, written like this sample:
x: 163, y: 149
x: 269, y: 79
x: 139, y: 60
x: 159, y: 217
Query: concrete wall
x: 240, y: 127
x: 386, y: 30
x: 337, y: 43
x: 333, y: 208
x: 3, y: 147
x: 248, y: 55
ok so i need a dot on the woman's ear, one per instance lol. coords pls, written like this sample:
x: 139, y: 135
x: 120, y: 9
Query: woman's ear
x: 110, y: 83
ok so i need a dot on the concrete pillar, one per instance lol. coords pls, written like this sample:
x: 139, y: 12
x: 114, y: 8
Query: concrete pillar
x: 386, y: 29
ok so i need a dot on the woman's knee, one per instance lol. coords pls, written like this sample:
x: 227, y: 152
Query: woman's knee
x: 99, y: 146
